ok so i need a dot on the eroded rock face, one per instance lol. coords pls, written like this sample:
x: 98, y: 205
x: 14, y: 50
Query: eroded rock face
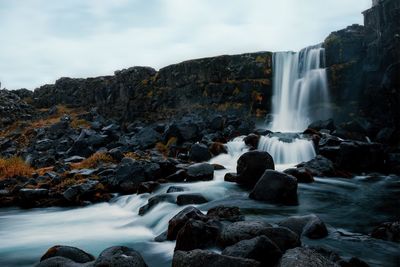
x: 13, y: 108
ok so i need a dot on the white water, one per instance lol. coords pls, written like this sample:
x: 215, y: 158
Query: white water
x: 299, y: 86
x: 290, y: 153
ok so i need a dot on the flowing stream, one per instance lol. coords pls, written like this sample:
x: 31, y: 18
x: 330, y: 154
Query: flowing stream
x: 349, y: 207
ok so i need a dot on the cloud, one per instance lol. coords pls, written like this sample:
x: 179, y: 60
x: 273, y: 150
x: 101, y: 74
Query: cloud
x: 43, y: 40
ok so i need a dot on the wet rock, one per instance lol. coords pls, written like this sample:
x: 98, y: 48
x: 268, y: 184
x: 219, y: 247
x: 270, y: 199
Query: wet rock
x: 72, y: 253
x: 217, y: 148
x: 197, y: 234
x: 27, y: 194
x: 230, y: 177
x: 241, y: 230
x: 120, y: 256
x: 304, y: 257
x: 201, y: 258
x: 308, y: 225
x: 252, y: 141
x: 178, y: 176
x: 223, y: 213
x: 200, y: 172
x: 199, y: 153
x: 251, y: 166
x: 186, y: 199
x: 302, y: 175
x: 58, y: 261
x: 74, y: 159
x: 176, y: 189
x: 260, y: 248
x: 323, y: 124
x: 153, y: 201
x: 147, y: 137
x: 389, y: 231
x: 276, y: 187
x: 319, y: 166
x: 180, y: 219
x: 147, y: 187
x: 77, y: 192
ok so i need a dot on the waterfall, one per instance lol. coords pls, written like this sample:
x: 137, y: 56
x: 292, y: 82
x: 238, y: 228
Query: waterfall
x: 300, y: 89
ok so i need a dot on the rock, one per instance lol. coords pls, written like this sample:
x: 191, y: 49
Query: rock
x: 120, y: 256
x: 180, y: 219
x: 197, y: 234
x: 58, y: 262
x: 199, y: 153
x: 217, y: 148
x: 74, y: 159
x: 251, y: 166
x: 153, y: 201
x: 230, y: 177
x: 252, y: 141
x: 200, y: 172
x: 201, y: 258
x: 186, y: 199
x: 72, y: 253
x: 147, y: 137
x: 304, y: 257
x: 223, y: 213
x: 389, y: 231
x: 147, y: 187
x: 276, y: 187
x: 27, y: 195
x: 302, y: 175
x: 353, y: 262
x: 241, y: 230
x: 176, y: 189
x: 260, y: 248
x: 323, y: 124
x: 309, y: 225
x: 217, y: 123
x: 319, y: 166
x: 360, y: 157
x: 76, y: 192
x: 178, y: 176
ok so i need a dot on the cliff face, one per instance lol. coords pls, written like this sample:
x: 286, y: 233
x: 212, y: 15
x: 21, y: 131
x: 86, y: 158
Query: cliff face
x: 364, y: 65
x: 239, y: 82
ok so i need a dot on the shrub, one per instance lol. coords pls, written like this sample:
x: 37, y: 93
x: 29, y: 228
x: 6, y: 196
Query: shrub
x: 14, y: 166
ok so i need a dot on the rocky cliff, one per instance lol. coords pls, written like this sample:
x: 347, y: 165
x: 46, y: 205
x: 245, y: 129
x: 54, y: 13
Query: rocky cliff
x: 239, y: 82
x: 364, y: 66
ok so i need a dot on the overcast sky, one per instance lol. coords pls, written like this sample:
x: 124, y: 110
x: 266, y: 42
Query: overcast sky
x: 42, y: 40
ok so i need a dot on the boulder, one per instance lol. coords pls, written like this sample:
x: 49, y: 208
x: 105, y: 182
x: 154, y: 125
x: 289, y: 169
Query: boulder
x: 197, y: 234
x: 201, y: 258
x: 323, y: 124
x: 27, y: 194
x: 199, y: 153
x: 147, y: 137
x: 223, y: 213
x: 58, y: 262
x: 260, y: 248
x: 304, y: 257
x: 389, y: 231
x: 72, y: 253
x: 186, y: 199
x: 241, y: 230
x: 75, y: 192
x: 176, y: 189
x: 153, y: 201
x: 276, y: 187
x: 319, y: 166
x: 302, y: 175
x: 120, y: 256
x: 180, y: 219
x: 252, y: 141
x: 147, y: 187
x: 308, y: 225
x: 251, y: 166
x: 200, y: 172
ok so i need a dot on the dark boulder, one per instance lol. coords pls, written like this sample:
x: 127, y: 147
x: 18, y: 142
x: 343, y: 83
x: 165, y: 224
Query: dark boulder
x: 223, y: 213
x: 252, y: 141
x: 197, y: 234
x: 200, y: 172
x: 72, y: 253
x: 302, y: 175
x: 58, y: 262
x: 147, y: 187
x: 241, y: 230
x: 153, y: 201
x: 251, y: 166
x: 323, y: 124
x: 319, y: 166
x: 120, y: 256
x: 304, y: 257
x: 176, y: 189
x: 308, y: 225
x: 217, y: 123
x: 199, y: 153
x: 180, y: 219
x: 201, y: 258
x: 27, y: 195
x: 260, y: 248
x: 186, y: 199
x: 276, y: 187
x: 389, y: 231
x: 147, y: 137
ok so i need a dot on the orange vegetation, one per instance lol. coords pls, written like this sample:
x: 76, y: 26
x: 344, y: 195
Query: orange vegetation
x: 15, y: 166
x: 93, y: 161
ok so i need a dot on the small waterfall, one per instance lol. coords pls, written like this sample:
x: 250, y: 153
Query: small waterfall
x: 300, y: 89
x: 287, y: 151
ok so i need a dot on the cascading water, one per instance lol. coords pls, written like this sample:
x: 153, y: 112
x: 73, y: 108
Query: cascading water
x: 300, y: 91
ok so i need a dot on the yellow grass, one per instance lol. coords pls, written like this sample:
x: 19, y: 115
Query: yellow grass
x: 15, y: 166
x: 93, y: 161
